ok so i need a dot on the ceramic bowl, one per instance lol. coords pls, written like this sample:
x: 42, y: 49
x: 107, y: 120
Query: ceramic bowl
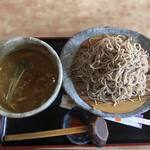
x: 14, y: 44
x: 81, y: 138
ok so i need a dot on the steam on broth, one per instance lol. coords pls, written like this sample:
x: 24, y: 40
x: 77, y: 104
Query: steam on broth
x: 28, y: 79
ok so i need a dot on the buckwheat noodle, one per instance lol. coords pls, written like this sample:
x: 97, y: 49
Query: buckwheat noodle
x: 113, y: 69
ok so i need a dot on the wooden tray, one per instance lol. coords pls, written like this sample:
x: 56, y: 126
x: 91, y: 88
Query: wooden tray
x: 52, y: 117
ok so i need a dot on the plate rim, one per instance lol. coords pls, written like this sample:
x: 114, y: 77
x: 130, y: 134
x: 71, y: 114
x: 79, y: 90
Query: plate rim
x: 74, y: 43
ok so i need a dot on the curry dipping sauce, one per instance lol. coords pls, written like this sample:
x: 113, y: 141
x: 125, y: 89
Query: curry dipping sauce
x: 28, y: 78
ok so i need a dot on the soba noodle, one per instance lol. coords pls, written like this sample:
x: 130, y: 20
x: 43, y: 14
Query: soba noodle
x: 113, y: 69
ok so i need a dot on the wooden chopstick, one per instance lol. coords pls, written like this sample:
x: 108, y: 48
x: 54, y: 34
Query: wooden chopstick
x: 43, y: 134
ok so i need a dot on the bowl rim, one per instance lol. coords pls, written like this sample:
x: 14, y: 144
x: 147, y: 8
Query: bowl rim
x: 73, y: 45
x: 60, y: 77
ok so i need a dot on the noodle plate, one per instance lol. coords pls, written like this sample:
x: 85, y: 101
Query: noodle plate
x: 112, y: 70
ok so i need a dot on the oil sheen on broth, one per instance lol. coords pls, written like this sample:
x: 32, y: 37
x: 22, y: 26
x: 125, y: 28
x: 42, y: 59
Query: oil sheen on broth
x: 28, y: 79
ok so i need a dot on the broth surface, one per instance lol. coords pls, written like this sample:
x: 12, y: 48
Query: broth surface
x: 28, y: 79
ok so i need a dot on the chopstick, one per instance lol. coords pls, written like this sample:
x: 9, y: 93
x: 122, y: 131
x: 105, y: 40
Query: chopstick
x: 143, y: 121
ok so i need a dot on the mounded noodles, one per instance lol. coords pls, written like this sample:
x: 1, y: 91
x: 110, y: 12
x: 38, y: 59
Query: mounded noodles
x: 112, y: 70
